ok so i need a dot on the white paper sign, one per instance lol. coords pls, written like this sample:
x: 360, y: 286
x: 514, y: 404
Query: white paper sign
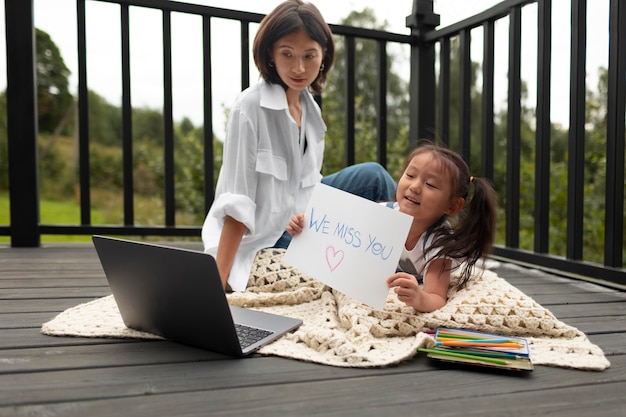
x: 349, y: 243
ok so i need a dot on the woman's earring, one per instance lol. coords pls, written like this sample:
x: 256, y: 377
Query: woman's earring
x: 322, y: 67
x: 271, y: 64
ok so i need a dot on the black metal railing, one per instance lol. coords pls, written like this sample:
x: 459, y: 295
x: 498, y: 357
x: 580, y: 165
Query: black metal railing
x: 25, y: 229
x: 511, y: 11
x: 430, y: 82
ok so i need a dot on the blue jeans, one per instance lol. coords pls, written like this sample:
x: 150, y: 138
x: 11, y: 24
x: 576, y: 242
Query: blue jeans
x: 368, y: 180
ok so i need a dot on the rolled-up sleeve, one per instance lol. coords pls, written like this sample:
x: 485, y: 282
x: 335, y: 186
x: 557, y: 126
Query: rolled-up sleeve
x: 237, y: 206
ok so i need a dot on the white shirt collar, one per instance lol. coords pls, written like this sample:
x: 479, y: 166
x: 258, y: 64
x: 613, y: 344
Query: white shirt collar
x: 272, y: 96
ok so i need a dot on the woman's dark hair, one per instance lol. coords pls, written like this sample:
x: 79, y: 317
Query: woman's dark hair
x: 472, y: 234
x: 289, y: 17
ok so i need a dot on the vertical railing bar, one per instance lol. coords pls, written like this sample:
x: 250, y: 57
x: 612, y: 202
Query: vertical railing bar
x: 168, y: 122
x: 542, y: 136
x: 422, y: 82
x: 381, y: 104
x: 22, y: 124
x: 350, y: 91
x: 209, y: 159
x: 245, y: 54
x: 487, y: 123
x: 465, y: 99
x: 576, y: 150
x: 83, y: 116
x: 616, y: 104
x: 127, y: 120
x: 444, y: 91
x: 513, y: 130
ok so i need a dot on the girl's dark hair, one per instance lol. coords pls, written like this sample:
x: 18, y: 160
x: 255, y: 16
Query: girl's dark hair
x: 473, y: 228
x: 289, y: 17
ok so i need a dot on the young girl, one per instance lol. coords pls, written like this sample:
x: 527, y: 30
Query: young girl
x: 449, y: 228
x: 274, y: 145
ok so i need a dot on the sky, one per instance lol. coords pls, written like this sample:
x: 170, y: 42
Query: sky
x: 56, y: 17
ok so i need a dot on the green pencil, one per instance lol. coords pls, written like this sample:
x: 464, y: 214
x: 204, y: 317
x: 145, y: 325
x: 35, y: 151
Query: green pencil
x: 466, y: 356
x: 496, y: 355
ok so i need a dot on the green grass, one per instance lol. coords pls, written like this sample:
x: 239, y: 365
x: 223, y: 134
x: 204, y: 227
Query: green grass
x: 53, y: 212
x: 68, y: 213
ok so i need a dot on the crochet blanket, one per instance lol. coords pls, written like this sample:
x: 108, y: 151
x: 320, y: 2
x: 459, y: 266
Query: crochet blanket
x: 339, y: 331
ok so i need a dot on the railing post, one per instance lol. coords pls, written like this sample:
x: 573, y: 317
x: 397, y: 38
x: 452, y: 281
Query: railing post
x: 513, y: 130
x: 22, y: 127
x: 422, y: 82
x: 616, y: 105
x: 544, y: 127
x: 576, y: 137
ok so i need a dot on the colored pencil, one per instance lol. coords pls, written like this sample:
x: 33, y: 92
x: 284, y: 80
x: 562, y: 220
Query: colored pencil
x: 501, y: 355
x: 463, y: 333
x: 452, y: 336
x: 472, y: 336
x: 466, y: 356
x: 486, y: 341
x: 459, y: 343
x: 473, y: 339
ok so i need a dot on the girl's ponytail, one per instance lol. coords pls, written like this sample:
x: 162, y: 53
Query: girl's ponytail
x: 472, y: 234
x: 476, y: 228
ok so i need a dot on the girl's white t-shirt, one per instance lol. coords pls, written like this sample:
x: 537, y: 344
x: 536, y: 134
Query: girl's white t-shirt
x: 415, y: 261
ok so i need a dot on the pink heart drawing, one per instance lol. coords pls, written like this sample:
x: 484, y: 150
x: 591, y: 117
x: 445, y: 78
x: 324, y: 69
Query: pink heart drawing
x: 333, y: 257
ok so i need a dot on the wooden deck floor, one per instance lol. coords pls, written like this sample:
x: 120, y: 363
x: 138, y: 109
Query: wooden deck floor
x: 61, y: 376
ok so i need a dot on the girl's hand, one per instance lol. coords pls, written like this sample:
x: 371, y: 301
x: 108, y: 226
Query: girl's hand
x: 296, y: 224
x: 429, y: 298
x: 406, y: 288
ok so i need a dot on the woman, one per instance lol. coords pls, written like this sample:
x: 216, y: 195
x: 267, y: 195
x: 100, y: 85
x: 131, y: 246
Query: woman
x: 274, y: 145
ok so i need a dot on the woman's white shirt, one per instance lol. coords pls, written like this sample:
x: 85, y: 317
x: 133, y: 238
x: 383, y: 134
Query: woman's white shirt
x: 265, y: 177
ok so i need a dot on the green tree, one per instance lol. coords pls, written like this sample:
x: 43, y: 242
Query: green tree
x: 527, y: 157
x: 594, y: 173
x: 334, y: 103
x: 594, y: 210
x: 54, y: 99
x: 190, y: 169
x: 558, y: 191
x: 455, y: 108
x: 55, y: 104
x: 105, y: 121
x: 148, y: 125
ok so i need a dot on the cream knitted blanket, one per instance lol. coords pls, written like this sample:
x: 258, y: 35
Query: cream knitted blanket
x: 339, y: 331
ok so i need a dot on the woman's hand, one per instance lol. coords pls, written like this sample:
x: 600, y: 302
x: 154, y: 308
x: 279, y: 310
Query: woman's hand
x: 296, y: 224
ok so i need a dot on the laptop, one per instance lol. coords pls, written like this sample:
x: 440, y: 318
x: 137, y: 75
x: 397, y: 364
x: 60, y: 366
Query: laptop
x: 177, y: 294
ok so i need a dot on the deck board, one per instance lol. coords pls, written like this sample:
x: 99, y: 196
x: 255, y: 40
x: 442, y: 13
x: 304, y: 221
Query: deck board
x: 235, y: 390
x: 73, y: 376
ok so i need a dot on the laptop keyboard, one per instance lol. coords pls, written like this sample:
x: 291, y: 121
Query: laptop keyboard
x: 250, y: 335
